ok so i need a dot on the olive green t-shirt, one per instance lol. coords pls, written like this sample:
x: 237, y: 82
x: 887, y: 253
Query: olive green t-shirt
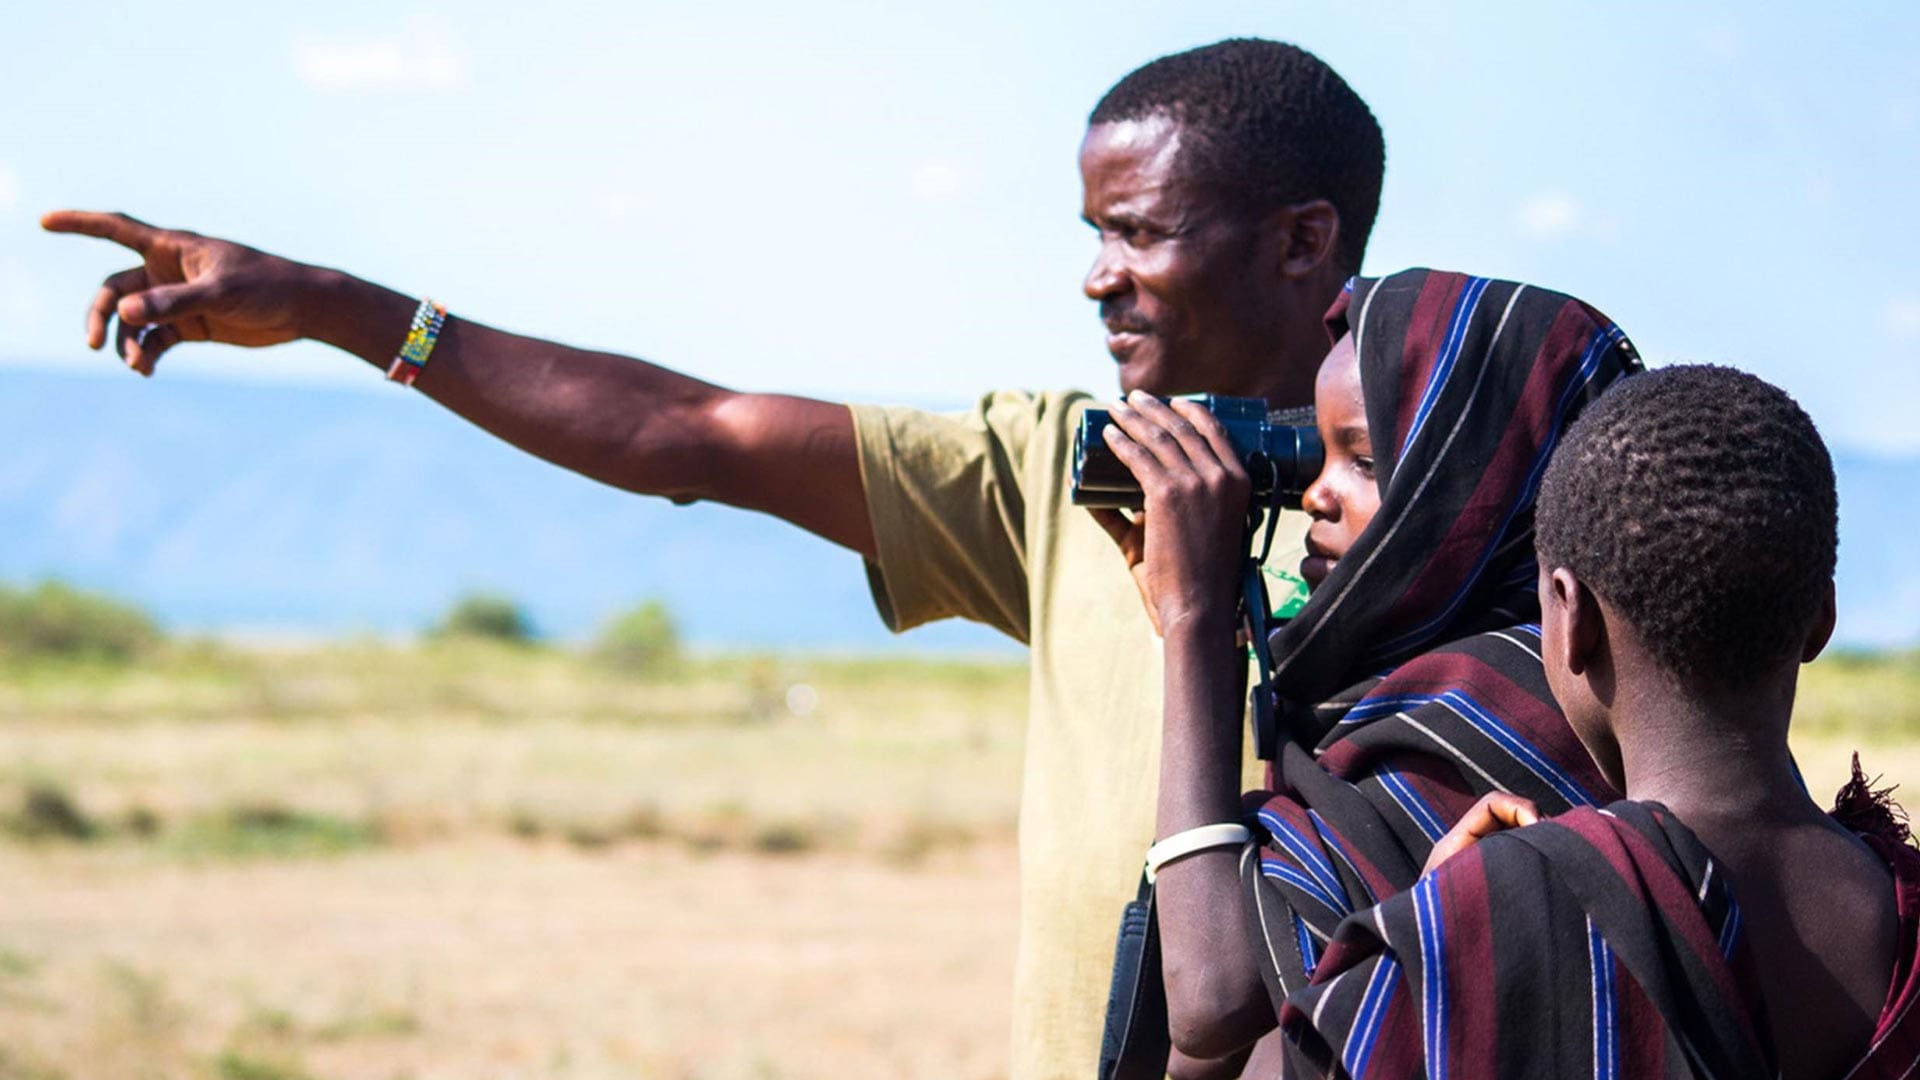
x: 972, y: 518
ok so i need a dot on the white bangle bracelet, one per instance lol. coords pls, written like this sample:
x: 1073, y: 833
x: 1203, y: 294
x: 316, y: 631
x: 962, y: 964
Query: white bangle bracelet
x: 1187, y: 841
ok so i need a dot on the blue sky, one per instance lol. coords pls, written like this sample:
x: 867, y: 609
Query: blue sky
x: 879, y: 201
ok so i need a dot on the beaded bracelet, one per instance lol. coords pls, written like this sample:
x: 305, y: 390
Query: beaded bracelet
x: 428, y: 318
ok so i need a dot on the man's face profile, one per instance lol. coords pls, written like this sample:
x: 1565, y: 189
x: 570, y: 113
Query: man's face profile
x: 1177, y: 278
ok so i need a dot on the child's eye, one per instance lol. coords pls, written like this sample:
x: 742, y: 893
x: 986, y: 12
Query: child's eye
x: 1364, y: 463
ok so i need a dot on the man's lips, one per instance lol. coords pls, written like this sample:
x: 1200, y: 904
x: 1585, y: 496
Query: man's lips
x: 1125, y: 329
x: 1121, y: 343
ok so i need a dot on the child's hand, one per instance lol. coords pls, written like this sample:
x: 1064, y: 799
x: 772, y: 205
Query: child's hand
x: 1495, y: 811
x: 1187, y: 546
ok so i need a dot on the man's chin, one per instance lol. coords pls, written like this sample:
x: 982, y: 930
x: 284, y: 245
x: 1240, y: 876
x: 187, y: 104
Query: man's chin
x: 1140, y: 369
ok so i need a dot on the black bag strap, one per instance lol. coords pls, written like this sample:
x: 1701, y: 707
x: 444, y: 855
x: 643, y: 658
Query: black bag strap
x: 1135, y: 1044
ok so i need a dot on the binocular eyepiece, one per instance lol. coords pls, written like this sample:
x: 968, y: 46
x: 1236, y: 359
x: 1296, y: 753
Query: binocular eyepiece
x: 1281, y: 459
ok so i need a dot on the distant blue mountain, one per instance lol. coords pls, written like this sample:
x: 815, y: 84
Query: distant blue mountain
x: 223, y: 506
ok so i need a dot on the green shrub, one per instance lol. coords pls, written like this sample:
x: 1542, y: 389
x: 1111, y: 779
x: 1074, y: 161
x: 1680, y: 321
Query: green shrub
x: 644, y: 822
x: 271, y: 830
x: 48, y: 813
x: 526, y: 824
x: 142, y: 822
x: 784, y: 838
x: 56, y: 619
x: 488, y: 616
x: 645, y: 638
x: 235, y: 1064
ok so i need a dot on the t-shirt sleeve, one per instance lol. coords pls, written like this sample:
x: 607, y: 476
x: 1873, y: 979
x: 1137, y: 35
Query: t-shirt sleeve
x: 946, y: 493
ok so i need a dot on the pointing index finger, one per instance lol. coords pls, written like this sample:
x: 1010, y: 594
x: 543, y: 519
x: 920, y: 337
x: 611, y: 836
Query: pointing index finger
x: 123, y: 230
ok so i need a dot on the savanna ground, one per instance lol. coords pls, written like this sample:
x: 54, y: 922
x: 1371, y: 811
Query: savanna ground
x: 471, y: 860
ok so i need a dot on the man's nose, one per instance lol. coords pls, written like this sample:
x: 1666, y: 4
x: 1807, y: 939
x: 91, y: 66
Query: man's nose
x: 1106, y: 277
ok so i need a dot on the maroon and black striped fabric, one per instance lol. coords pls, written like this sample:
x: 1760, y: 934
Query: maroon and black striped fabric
x: 1601, y: 944
x: 1469, y: 383
x: 1411, y: 683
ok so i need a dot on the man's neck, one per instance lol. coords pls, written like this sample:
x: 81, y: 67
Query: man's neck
x: 1286, y: 382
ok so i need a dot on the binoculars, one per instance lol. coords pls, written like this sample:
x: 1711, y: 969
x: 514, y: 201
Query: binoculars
x: 1281, y: 459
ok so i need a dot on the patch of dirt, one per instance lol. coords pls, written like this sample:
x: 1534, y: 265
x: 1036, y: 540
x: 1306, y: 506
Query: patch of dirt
x: 487, y: 957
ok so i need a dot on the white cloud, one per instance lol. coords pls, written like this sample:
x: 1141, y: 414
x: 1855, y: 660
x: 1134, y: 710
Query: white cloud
x: 1901, y: 319
x: 1549, y: 216
x: 9, y: 188
x: 422, y: 55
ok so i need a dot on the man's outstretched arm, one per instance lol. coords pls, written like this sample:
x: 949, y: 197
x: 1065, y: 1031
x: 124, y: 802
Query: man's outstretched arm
x: 618, y: 420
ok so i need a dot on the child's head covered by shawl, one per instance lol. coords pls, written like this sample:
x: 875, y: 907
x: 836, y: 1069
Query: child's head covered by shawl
x: 1466, y: 387
x: 1411, y: 683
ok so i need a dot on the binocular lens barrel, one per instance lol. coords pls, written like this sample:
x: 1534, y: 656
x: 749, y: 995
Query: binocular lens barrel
x: 1281, y: 459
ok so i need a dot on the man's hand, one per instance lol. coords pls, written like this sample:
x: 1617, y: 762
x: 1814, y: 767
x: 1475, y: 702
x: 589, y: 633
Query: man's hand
x: 618, y: 420
x: 187, y: 288
x: 1495, y: 811
x: 1130, y: 536
x: 1191, y: 534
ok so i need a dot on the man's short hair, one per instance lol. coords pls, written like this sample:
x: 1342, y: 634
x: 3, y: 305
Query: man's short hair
x: 1699, y: 502
x: 1265, y: 124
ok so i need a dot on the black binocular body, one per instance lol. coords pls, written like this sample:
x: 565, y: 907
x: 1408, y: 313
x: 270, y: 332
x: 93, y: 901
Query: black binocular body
x: 1281, y: 459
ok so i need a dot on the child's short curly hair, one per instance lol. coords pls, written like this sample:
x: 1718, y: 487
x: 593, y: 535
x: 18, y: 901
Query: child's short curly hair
x: 1699, y: 502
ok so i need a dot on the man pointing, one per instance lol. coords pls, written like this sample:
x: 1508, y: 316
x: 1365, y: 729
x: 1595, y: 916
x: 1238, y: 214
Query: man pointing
x: 1232, y: 188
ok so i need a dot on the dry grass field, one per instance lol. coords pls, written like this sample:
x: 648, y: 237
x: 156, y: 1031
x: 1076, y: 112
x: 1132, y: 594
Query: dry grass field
x: 466, y: 860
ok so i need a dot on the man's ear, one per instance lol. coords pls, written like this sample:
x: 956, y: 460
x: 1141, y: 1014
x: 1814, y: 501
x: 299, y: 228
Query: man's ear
x: 1309, y: 236
x: 1822, y: 630
x: 1582, y: 629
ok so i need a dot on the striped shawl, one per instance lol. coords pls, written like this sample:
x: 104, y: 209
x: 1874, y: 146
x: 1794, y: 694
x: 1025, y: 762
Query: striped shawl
x: 1618, y: 953
x: 1411, y: 684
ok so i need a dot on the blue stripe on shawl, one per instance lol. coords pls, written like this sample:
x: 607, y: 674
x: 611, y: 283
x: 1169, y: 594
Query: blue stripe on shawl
x: 1288, y: 874
x: 1370, y: 708
x: 1730, y: 929
x: 1373, y: 1010
x: 1602, y: 340
x: 1606, y: 1009
x: 1433, y: 952
x: 1417, y: 808
x: 1522, y: 751
x: 1340, y: 848
x: 1309, y: 951
x: 1301, y: 848
x: 1449, y: 353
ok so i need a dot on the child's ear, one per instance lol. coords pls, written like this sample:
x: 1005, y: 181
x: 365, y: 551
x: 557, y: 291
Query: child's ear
x: 1582, y: 630
x: 1822, y: 630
